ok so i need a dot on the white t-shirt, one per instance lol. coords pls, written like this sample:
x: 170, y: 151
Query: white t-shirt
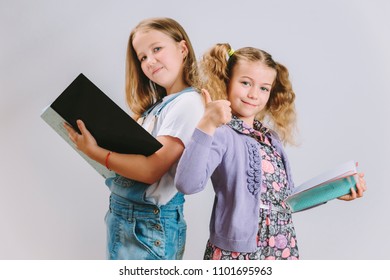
x: 177, y: 119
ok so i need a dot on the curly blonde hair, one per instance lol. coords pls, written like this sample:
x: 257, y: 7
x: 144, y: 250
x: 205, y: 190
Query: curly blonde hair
x: 217, y: 66
x: 141, y: 93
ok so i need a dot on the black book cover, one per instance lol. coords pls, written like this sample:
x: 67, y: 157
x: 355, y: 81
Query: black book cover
x: 112, y: 127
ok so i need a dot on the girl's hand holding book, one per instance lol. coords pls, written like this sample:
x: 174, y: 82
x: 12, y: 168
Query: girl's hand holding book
x: 360, y: 188
x: 85, y: 142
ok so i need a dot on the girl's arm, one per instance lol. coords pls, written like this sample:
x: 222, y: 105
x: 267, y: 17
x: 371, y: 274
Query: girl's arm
x: 198, y: 162
x: 137, y: 167
x: 204, y: 152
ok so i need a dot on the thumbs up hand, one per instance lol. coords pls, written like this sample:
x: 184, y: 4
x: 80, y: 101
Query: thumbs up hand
x: 216, y: 114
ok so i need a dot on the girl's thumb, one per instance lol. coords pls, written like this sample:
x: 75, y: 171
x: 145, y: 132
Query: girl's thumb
x: 206, y: 96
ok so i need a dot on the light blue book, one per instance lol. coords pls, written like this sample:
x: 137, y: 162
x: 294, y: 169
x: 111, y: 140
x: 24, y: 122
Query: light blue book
x: 322, y: 188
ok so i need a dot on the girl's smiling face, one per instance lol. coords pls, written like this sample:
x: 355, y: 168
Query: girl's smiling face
x: 249, y: 89
x: 161, y: 58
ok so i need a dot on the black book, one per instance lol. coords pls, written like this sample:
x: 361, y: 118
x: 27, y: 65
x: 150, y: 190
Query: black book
x: 112, y: 127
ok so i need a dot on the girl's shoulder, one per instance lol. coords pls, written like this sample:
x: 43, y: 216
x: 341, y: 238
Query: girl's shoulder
x: 184, y: 97
x: 190, y: 95
x: 184, y: 110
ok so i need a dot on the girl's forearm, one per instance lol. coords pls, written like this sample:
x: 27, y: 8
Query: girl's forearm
x: 146, y: 169
x: 130, y: 166
x: 136, y: 167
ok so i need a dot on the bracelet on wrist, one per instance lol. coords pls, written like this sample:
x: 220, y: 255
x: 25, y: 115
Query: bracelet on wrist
x: 106, y: 161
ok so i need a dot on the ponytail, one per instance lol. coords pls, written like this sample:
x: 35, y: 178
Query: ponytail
x: 214, y: 70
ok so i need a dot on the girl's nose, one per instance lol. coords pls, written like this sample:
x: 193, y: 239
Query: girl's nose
x: 253, y: 94
x: 151, y: 60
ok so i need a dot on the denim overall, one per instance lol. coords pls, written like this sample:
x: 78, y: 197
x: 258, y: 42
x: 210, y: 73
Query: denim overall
x: 141, y: 230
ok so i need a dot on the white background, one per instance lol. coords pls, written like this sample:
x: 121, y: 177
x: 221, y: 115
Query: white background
x: 52, y: 203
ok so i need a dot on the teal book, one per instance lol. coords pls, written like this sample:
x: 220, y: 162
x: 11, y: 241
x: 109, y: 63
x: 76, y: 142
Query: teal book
x: 324, y: 187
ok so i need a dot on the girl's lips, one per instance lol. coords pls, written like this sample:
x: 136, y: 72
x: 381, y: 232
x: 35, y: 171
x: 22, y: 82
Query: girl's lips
x: 156, y: 70
x: 250, y: 104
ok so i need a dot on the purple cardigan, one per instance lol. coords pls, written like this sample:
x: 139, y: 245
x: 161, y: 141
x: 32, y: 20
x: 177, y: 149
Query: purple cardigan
x: 231, y: 160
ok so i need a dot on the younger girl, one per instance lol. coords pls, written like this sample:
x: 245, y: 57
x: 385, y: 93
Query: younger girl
x: 145, y: 220
x: 245, y: 159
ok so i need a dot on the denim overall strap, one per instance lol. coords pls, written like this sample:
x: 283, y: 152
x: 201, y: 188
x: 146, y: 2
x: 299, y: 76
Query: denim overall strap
x: 169, y: 100
x: 160, y: 105
x: 130, y: 189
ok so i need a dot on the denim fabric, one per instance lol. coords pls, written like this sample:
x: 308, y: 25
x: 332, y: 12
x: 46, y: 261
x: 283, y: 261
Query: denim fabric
x: 132, y: 190
x: 140, y: 230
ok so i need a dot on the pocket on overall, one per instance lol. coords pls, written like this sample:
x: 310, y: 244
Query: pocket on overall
x: 151, y: 236
x: 121, y: 244
x: 130, y: 237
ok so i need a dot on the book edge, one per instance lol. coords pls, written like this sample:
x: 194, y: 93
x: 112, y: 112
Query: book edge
x: 55, y: 121
x: 341, y: 171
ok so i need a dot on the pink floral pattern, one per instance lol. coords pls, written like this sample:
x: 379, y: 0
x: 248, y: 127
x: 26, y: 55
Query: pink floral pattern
x: 276, y: 238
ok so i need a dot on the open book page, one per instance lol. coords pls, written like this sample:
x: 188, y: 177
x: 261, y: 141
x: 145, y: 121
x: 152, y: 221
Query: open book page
x: 57, y: 123
x: 344, y: 170
x: 322, y: 188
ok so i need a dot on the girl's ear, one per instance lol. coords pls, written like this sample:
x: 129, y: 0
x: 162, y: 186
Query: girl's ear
x: 184, y: 48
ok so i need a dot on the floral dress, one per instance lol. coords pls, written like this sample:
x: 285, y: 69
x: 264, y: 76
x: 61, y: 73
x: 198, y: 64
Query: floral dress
x: 276, y: 238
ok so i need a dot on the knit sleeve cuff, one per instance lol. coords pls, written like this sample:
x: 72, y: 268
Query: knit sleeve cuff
x: 202, y: 138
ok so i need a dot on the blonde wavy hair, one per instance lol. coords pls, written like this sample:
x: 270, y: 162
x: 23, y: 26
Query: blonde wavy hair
x: 141, y: 93
x: 217, y: 66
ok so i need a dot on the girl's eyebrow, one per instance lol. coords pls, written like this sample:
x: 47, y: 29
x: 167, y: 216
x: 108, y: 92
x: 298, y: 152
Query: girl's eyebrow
x: 150, y: 46
x: 247, y: 77
x: 155, y: 43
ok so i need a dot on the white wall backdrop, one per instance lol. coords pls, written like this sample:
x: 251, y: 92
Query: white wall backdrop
x: 52, y: 203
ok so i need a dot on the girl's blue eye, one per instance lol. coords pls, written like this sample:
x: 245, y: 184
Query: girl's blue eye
x: 246, y: 83
x: 157, y: 49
